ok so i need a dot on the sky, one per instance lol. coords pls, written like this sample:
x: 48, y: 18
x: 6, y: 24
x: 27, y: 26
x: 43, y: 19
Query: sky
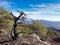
x: 35, y: 9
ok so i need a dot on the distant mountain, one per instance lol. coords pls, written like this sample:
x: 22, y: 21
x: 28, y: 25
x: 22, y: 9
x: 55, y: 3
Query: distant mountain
x: 55, y: 24
x: 54, y: 29
x: 26, y: 21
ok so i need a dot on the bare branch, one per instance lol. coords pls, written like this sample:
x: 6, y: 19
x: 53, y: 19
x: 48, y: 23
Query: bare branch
x: 12, y: 14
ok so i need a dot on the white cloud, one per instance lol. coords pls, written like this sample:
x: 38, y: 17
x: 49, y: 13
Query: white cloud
x: 45, y: 11
x: 16, y: 13
x: 41, y: 5
x: 46, y: 5
x: 5, y: 4
x: 33, y: 13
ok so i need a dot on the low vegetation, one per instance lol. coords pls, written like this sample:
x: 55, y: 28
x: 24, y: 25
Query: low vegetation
x: 6, y: 20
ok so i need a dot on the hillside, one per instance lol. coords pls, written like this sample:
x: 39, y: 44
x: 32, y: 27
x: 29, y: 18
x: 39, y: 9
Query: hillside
x: 35, y: 29
x: 6, y: 20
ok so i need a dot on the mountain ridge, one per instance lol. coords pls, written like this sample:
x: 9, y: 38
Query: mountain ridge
x: 55, y: 24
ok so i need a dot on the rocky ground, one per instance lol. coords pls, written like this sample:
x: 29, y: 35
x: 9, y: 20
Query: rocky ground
x: 33, y: 39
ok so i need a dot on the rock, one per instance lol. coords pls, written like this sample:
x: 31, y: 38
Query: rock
x: 36, y: 36
x: 33, y: 39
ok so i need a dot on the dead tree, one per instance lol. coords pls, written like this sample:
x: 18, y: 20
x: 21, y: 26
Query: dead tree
x: 14, y: 34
